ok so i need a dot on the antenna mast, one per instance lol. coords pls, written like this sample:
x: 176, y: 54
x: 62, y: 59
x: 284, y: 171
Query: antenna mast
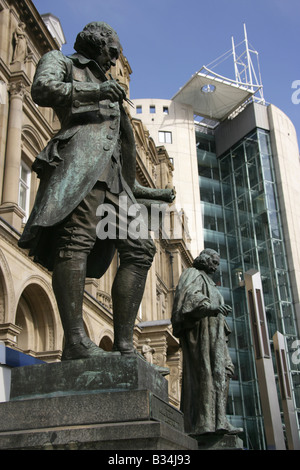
x: 236, y: 71
x: 248, y: 57
x: 244, y: 69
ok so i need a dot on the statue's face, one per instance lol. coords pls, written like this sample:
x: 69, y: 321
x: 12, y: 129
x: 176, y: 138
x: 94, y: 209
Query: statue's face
x: 213, y: 263
x: 108, y: 55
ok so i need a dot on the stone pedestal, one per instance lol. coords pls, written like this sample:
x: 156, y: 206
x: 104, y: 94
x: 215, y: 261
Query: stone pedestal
x: 219, y: 442
x: 114, y: 403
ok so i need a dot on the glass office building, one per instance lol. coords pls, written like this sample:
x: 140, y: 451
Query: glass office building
x: 242, y: 221
x: 244, y: 160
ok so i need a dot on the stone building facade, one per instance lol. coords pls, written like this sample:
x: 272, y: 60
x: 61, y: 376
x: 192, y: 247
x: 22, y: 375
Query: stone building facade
x: 29, y: 318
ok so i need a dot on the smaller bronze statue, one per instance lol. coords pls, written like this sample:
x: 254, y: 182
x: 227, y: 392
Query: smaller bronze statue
x: 199, y: 320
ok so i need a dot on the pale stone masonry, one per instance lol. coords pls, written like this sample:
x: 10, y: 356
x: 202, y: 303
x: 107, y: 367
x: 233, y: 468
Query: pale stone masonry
x: 29, y: 318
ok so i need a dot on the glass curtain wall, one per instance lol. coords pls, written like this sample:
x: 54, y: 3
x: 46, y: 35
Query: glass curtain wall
x: 243, y: 406
x: 241, y: 221
x: 255, y: 239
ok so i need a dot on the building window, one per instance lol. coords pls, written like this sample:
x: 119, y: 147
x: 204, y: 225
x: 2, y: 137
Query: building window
x: 152, y: 109
x: 139, y: 109
x: 165, y: 110
x: 165, y: 137
x: 24, y: 188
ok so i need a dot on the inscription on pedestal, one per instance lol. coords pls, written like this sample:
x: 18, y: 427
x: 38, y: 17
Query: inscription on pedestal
x: 167, y: 414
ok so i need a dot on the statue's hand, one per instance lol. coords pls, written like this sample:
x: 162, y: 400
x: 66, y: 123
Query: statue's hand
x: 141, y: 192
x: 223, y: 309
x: 228, y: 309
x: 112, y: 90
x: 168, y: 195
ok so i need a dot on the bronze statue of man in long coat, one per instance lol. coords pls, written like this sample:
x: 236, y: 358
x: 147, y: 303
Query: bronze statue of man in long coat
x: 91, y: 161
x: 199, y: 320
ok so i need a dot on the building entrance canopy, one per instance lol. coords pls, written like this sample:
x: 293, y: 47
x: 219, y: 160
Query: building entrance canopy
x: 213, y: 96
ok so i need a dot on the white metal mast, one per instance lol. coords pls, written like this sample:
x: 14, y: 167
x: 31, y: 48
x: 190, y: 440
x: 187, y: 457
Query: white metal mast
x: 245, y: 71
x: 234, y: 60
x: 248, y: 57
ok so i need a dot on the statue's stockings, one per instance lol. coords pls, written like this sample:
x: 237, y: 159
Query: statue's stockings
x: 68, y: 282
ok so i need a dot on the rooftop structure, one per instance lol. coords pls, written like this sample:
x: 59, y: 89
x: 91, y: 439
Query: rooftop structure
x: 215, y: 97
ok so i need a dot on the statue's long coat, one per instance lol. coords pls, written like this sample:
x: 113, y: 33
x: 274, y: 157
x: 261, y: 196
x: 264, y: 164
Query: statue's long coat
x: 75, y: 158
x: 206, y: 359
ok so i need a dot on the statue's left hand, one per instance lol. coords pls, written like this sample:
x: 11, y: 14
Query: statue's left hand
x: 169, y: 195
x: 141, y: 192
x: 112, y: 90
x: 214, y: 311
x: 225, y: 309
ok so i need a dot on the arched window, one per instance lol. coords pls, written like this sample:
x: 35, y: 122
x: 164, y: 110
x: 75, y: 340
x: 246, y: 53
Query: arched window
x: 106, y: 343
x: 36, y: 318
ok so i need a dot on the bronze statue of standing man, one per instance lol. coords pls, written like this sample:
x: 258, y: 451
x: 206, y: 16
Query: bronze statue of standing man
x: 91, y: 161
x: 199, y: 320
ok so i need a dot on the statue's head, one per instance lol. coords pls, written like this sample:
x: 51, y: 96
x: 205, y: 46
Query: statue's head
x: 100, y: 42
x: 208, y: 261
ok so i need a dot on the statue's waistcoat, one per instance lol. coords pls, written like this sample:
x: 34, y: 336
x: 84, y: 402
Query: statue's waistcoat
x: 77, y: 156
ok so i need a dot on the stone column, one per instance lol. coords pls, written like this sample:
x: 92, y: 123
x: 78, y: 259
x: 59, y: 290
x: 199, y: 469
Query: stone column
x: 5, y: 37
x: 10, y: 209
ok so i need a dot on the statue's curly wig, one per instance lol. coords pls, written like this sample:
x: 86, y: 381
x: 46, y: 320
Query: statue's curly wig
x: 93, y: 37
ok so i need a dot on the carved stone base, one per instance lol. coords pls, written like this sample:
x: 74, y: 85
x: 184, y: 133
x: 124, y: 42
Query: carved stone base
x: 219, y: 442
x: 115, y: 403
x: 112, y: 372
x: 132, y: 420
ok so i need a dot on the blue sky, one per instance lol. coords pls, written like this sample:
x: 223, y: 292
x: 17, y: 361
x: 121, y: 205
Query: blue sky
x: 167, y: 41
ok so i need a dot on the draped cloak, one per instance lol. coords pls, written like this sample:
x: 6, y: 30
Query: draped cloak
x: 206, y: 360
x: 95, y: 135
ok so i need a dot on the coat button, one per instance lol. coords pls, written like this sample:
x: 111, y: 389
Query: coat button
x: 106, y: 147
x: 109, y: 137
x: 76, y: 103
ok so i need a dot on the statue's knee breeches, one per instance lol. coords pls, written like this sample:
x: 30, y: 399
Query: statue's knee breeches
x: 79, y: 232
x: 139, y: 252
